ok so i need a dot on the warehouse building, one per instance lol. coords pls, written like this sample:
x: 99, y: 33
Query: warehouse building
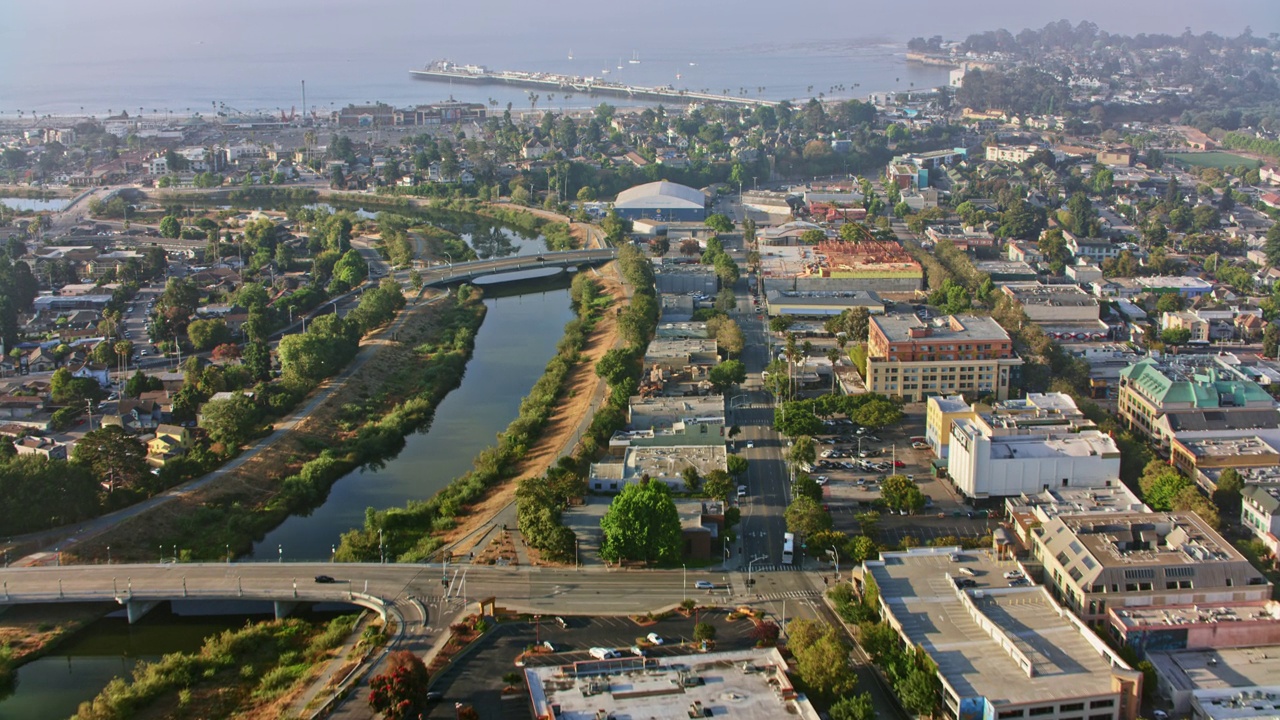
x: 662, y: 200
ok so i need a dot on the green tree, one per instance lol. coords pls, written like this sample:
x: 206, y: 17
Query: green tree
x: 719, y: 223
x: 806, y: 517
x: 806, y: 486
x: 120, y: 461
x: 919, y: 691
x: 231, y: 421
x: 660, y: 246
x: 719, y: 485
x: 641, y: 524
x: 899, y: 493
x: 803, y: 451
x: 140, y: 383
x: 1175, y: 336
x: 205, y: 334
x: 704, y: 631
x: 1169, y: 302
x: 692, y: 479
x: 1270, y: 339
x: 824, y: 666
x: 877, y: 413
x: 1160, y: 483
x: 854, y: 707
x: 736, y: 465
x: 727, y: 374
x: 170, y: 227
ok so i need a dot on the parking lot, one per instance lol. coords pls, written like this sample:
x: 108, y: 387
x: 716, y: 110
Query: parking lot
x: 476, y: 679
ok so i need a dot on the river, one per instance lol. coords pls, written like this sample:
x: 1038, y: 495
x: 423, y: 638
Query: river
x: 518, y: 337
x: 36, y: 204
x: 53, y: 686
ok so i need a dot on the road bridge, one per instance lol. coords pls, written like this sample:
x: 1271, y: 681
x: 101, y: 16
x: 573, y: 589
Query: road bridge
x: 453, y: 273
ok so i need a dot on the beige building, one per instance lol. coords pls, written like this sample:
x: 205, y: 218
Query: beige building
x: 913, y: 359
x: 1093, y: 562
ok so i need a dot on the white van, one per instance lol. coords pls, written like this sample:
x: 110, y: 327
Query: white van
x: 600, y: 653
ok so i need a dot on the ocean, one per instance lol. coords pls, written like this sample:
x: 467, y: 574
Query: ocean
x: 162, y: 56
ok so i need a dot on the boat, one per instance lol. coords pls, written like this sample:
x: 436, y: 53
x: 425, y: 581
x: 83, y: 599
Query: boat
x: 604, y: 71
x: 619, y: 63
x: 635, y: 58
x: 693, y: 64
x: 570, y: 53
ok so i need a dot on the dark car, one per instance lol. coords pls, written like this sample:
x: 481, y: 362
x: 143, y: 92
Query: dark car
x: 325, y: 579
x: 435, y: 696
x: 540, y: 259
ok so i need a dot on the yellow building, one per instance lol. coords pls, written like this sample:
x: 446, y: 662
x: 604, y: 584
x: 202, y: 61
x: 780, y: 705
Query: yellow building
x: 941, y: 412
x: 170, y: 441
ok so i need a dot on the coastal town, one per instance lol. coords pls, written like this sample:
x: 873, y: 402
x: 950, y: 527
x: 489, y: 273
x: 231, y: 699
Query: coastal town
x: 952, y: 402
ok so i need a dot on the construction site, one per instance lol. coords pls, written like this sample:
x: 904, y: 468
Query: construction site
x: 834, y: 265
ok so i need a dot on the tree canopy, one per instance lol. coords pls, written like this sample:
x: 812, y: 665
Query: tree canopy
x: 641, y: 524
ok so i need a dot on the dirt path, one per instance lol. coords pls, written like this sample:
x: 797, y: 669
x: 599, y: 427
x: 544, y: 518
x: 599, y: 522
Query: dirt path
x: 572, y: 414
x: 254, y: 481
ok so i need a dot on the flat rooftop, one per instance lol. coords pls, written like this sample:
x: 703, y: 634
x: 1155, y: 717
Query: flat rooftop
x: 664, y: 348
x: 746, y: 684
x: 1150, y: 539
x: 1227, y: 447
x: 1134, y: 618
x: 1219, y: 669
x: 897, y: 327
x: 1180, y: 282
x: 1035, y: 293
x: 922, y: 597
x: 1089, y: 443
x: 1076, y: 501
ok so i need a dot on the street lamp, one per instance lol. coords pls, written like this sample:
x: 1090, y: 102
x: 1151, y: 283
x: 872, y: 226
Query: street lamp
x: 108, y: 555
x: 685, y: 569
x: 280, y: 553
x: 751, y: 564
x: 837, y: 554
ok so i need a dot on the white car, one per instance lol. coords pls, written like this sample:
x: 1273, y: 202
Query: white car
x: 822, y: 479
x: 742, y: 491
x: 654, y: 638
x: 751, y: 444
x: 600, y: 653
x: 1013, y: 575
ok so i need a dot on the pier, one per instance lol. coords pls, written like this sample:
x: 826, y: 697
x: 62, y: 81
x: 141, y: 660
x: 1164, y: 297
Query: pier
x: 445, y: 71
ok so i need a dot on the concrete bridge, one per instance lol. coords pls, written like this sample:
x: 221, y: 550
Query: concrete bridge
x: 467, y: 271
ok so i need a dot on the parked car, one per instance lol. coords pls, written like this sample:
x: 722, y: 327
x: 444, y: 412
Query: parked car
x: 751, y: 443
x: 1013, y: 574
x: 560, y: 621
x: 600, y: 653
x: 822, y: 479
x: 919, y: 445
x: 705, y: 585
x: 654, y: 638
x: 637, y: 651
x: 742, y: 491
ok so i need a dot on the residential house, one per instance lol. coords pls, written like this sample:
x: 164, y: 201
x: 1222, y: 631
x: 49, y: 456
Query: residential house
x: 1260, y: 513
x: 170, y: 441
x: 44, y: 447
x: 94, y: 371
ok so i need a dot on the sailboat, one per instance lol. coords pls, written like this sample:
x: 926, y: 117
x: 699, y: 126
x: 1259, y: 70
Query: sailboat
x: 635, y: 58
x: 619, y: 63
x: 570, y: 53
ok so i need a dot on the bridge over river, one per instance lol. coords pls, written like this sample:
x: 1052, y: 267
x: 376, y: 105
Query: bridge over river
x: 452, y: 273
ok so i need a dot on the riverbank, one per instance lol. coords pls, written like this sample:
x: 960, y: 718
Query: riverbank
x: 393, y: 391
x: 28, y: 632
x: 582, y: 390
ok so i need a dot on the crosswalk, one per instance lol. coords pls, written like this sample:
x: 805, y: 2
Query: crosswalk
x: 776, y: 568
x: 792, y: 595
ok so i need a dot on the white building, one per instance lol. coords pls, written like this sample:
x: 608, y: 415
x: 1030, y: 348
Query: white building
x: 984, y: 465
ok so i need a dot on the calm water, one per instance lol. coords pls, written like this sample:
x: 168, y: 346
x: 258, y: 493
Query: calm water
x: 54, y: 686
x: 34, y: 204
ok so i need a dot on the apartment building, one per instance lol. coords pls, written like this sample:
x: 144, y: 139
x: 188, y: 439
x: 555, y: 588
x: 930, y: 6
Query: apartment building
x: 913, y: 359
x: 984, y: 463
x: 1140, y: 559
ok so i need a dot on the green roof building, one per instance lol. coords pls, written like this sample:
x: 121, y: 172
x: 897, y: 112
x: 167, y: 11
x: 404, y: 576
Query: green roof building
x: 1151, y: 390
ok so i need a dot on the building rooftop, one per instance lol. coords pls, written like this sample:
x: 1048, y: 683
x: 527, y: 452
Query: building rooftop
x: 845, y: 259
x: 1134, y: 618
x: 676, y: 348
x: 1219, y: 669
x: 1049, y: 504
x: 647, y: 412
x: 662, y: 463
x: 1198, y: 380
x: 1180, y: 282
x: 1227, y: 447
x: 947, y: 405
x: 745, y: 684
x: 1009, y: 645
x: 905, y: 327
x: 1137, y: 539
x: 1035, y: 293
